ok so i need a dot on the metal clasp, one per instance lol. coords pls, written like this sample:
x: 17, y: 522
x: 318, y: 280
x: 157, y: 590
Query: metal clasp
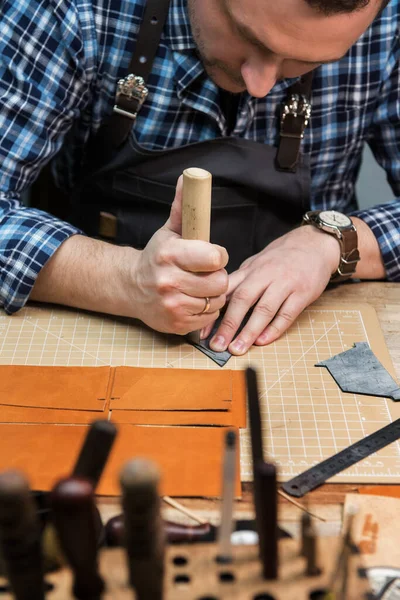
x: 130, y: 89
x: 296, y: 106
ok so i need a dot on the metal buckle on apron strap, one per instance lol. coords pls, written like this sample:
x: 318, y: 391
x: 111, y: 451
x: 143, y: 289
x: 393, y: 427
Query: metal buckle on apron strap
x: 297, y: 106
x: 296, y: 113
x: 130, y: 95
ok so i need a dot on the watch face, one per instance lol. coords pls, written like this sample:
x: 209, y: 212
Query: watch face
x: 332, y: 217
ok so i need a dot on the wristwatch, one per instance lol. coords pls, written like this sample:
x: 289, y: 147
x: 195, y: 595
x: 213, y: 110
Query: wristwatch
x: 342, y: 227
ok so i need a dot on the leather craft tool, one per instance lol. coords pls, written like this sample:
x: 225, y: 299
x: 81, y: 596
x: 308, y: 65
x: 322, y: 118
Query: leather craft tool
x: 257, y: 453
x: 310, y: 549
x: 268, y: 518
x: 20, y: 538
x: 75, y: 521
x: 175, y: 533
x: 264, y: 482
x: 228, y: 495
x: 304, y: 525
x: 358, y: 371
x: 144, y: 532
x: 196, y: 214
x: 317, y: 475
x: 95, y: 451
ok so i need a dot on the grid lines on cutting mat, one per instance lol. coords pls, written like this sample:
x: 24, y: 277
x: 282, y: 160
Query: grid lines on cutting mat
x: 306, y: 417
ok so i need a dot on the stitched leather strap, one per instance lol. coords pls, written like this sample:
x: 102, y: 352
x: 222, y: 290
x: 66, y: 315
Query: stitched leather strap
x: 293, y: 122
x: 349, y: 256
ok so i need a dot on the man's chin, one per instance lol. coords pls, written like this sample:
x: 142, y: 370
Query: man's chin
x: 224, y: 81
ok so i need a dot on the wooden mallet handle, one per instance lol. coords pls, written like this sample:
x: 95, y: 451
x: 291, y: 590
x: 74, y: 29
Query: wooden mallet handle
x: 196, y: 211
x: 196, y: 204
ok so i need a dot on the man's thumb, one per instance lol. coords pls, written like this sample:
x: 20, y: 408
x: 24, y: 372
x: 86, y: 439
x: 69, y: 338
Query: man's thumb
x: 174, y: 222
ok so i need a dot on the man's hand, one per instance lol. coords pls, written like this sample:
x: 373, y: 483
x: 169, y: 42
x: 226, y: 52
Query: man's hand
x: 280, y: 282
x: 173, y: 277
x: 165, y: 285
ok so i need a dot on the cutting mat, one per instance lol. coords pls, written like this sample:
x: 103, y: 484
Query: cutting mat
x: 306, y: 417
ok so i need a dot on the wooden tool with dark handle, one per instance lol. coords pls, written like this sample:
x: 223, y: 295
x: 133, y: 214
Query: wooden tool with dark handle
x: 196, y: 210
x: 143, y: 529
x: 20, y: 538
x: 74, y: 518
x: 95, y: 451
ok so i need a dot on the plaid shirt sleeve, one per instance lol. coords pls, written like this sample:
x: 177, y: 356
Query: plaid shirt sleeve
x: 384, y: 140
x: 28, y: 238
x: 43, y: 86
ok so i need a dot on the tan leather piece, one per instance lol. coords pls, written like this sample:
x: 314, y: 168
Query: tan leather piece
x: 171, y: 389
x: 76, y: 388
x: 236, y: 416
x: 190, y: 458
x: 22, y: 414
x: 392, y: 491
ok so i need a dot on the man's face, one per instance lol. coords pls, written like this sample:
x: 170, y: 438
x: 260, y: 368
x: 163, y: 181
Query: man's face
x: 251, y: 44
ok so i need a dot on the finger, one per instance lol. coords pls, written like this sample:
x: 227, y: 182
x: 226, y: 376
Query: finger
x: 201, y: 285
x: 205, y: 332
x: 235, y: 279
x: 195, y: 256
x: 174, y: 222
x: 263, y: 313
x: 283, y: 319
x: 243, y: 298
x: 202, y: 306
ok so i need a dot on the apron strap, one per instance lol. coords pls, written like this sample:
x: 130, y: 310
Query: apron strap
x: 295, y: 115
x: 132, y: 90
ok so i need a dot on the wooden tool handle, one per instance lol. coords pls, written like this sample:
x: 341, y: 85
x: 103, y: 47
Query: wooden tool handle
x: 196, y: 204
x: 74, y: 518
x: 95, y: 451
x: 20, y: 537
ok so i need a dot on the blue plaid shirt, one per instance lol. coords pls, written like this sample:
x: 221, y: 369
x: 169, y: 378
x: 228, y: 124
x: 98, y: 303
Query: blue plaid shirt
x: 59, y: 63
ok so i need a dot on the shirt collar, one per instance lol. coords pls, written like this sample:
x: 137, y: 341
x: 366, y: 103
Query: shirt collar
x: 178, y: 31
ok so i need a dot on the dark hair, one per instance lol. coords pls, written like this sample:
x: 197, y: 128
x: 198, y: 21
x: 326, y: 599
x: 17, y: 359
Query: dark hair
x: 331, y: 7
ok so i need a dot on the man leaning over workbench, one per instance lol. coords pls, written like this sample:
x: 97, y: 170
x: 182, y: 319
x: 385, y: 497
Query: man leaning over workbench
x: 229, y: 92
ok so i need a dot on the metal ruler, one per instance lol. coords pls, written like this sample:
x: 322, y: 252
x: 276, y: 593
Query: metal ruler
x: 312, y: 478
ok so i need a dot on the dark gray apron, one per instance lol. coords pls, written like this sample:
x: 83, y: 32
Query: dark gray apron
x: 258, y: 193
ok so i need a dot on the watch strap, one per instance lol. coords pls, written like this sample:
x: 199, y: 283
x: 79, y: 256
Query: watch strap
x: 348, y: 240
x: 350, y: 255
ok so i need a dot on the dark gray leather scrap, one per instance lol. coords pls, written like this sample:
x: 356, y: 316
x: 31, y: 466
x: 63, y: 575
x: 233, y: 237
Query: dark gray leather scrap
x: 221, y: 358
x: 358, y: 371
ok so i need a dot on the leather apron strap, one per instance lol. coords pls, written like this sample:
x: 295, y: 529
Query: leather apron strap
x: 295, y: 115
x: 131, y: 90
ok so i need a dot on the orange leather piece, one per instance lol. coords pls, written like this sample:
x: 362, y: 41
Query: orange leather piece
x: 158, y: 389
x: 173, y: 417
x: 190, y: 458
x: 22, y: 414
x: 235, y: 417
x: 76, y: 388
x: 392, y: 491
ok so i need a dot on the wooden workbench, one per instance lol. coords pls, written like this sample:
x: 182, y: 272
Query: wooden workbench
x: 327, y: 501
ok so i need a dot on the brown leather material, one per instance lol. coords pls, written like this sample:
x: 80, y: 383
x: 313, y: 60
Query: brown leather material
x: 45, y: 453
x: 55, y: 416
x: 350, y: 255
x: 75, y: 388
x: 159, y: 389
x: 235, y: 416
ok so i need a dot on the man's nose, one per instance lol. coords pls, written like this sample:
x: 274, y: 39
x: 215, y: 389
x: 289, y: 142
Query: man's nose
x: 260, y: 75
